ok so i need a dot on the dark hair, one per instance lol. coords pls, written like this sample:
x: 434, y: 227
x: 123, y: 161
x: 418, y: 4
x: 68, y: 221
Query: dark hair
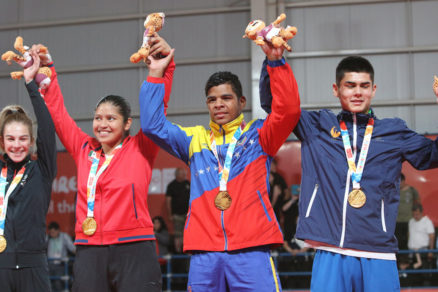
x: 121, y: 103
x: 53, y: 225
x: 417, y: 207
x: 224, y: 77
x: 162, y: 223
x: 353, y: 64
x: 402, y: 177
x: 14, y: 113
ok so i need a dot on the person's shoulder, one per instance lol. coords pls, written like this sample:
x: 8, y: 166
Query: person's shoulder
x: 325, y: 111
x: 412, y: 189
x: 173, y: 182
x: 427, y: 219
x: 197, y: 130
x: 278, y: 179
x: 391, y: 122
x: 322, y: 113
x: 64, y: 235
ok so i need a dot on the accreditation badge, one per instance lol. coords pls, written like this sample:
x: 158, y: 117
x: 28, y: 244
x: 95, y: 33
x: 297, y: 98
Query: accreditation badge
x: 89, y: 226
x: 357, y: 198
x: 222, y: 200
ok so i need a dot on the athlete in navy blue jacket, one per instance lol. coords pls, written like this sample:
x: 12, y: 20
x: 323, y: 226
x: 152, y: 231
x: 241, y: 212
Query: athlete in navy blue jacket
x: 351, y: 165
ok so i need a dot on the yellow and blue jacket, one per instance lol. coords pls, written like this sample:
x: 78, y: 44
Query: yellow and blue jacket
x: 250, y: 221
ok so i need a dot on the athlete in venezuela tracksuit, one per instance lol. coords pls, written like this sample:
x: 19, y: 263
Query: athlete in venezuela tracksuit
x: 364, y: 237
x: 225, y: 244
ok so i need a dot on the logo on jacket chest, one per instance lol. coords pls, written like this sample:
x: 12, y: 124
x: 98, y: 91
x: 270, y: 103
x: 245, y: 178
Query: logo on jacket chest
x: 334, y: 132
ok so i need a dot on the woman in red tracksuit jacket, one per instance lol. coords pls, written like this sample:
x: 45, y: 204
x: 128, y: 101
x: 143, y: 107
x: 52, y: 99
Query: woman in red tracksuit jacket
x: 114, y: 231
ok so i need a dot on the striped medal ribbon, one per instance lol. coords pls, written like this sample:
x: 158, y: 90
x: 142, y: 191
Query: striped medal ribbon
x: 357, y: 197
x: 223, y: 198
x: 89, y: 225
x: 4, y: 200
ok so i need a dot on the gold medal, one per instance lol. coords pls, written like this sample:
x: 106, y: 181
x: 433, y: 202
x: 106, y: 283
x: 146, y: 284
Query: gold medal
x: 222, y: 200
x: 89, y: 226
x: 2, y: 243
x: 357, y: 198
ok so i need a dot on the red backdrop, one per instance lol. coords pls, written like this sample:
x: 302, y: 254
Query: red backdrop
x: 289, y: 165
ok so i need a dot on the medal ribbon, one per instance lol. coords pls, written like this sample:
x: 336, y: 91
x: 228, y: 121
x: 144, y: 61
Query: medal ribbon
x: 4, y: 196
x: 224, y: 171
x: 94, y: 176
x: 356, y: 172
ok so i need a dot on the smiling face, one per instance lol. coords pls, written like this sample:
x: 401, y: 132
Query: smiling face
x: 108, y: 125
x: 223, y: 104
x: 355, y: 92
x: 16, y: 141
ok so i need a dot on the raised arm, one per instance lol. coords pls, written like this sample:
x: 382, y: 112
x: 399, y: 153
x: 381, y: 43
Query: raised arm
x: 46, y: 142
x: 159, y: 48
x: 285, y: 109
x: 71, y: 136
x: 154, y: 124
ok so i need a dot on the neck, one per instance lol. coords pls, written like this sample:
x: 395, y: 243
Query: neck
x: 10, y: 162
x: 363, y: 112
x: 108, y: 149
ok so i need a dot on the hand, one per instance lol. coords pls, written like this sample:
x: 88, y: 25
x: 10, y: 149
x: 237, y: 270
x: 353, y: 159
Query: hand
x: 272, y: 52
x: 30, y: 72
x: 44, y: 54
x: 158, y: 46
x: 158, y: 66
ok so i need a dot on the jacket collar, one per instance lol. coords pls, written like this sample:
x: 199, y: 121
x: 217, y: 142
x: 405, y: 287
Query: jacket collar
x: 95, y: 145
x: 361, y: 117
x: 229, y: 127
x: 13, y: 165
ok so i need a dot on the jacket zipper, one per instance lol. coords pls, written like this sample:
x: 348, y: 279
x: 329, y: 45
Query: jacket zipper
x: 347, y: 183
x: 383, y: 216
x: 315, y: 190
x: 101, y: 216
x: 14, y: 234
x: 223, y: 229
x: 344, y: 208
x: 133, y: 201
x: 222, y: 212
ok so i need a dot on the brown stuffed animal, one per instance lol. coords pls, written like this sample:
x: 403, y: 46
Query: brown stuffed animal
x: 273, y: 33
x: 42, y: 78
x: 153, y: 23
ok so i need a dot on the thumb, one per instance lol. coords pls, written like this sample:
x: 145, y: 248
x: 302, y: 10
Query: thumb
x: 169, y: 57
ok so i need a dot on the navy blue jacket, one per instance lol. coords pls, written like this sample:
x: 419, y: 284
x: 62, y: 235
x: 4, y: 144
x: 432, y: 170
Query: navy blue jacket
x: 324, y: 214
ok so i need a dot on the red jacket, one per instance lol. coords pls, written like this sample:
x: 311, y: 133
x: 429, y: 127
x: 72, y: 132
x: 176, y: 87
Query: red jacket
x: 121, y: 209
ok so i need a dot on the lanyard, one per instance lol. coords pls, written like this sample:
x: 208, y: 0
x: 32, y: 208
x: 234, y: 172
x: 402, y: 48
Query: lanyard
x: 356, y: 172
x: 94, y: 176
x: 224, y: 171
x: 4, y: 196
